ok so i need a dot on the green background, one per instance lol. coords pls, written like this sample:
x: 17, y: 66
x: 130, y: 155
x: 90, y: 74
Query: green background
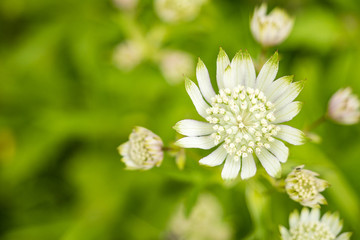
x: 65, y: 107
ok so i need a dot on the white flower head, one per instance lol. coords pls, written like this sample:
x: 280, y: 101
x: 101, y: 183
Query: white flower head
x: 344, y: 107
x: 127, y: 55
x: 143, y: 150
x: 126, y: 5
x: 303, y: 186
x: 174, y: 65
x: 308, y: 226
x: 207, y: 212
x: 177, y: 11
x: 272, y: 29
x: 244, y: 118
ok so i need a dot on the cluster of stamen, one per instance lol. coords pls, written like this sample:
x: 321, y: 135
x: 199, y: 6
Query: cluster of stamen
x: 311, y: 231
x: 145, y: 148
x: 242, y: 120
x: 304, y: 185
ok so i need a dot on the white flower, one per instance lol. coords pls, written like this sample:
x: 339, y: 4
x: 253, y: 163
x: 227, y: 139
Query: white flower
x: 272, y: 29
x: 344, y: 107
x: 303, y: 186
x: 128, y: 55
x: 309, y: 226
x: 125, y: 4
x: 174, y: 65
x: 176, y: 10
x: 204, y: 223
x: 143, y: 150
x: 243, y: 119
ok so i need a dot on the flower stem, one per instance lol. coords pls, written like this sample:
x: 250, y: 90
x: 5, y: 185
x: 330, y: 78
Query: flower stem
x: 315, y: 124
x: 262, y: 59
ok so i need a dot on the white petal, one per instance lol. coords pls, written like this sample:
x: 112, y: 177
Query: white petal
x: 304, y: 215
x: 344, y: 236
x: 268, y: 72
x: 123, y: 149
x: 196, y: 97
x: 279, y: 149
x: 291, y: 135
x: 229, y: 78
x: 269, y: 162
x: 204, y: 81
x: 205, y: 142
x: 193, y: 128
x: 287, y: 112
x: 289, y: 95
x: 314, y: 215
x: 215, y: 158
x: 336, y: 225
x: 237, y: 69
x: 285, y: 235
x: 248, y: 168
x: 231, y: 168
x: 222, y: 63
x: 249, y: 71
x: 294, y: 219
x: 278, y: 87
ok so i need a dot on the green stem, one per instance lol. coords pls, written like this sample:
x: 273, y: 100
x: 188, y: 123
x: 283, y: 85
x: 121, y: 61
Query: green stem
x: 315, y: 124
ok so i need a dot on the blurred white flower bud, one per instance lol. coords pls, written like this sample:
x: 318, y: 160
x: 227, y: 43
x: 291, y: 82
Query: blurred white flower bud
x: 272, y: 29
x: 143, y: 150
x: 303, y: 186
x: 126, y: 5
x: 178, y: 10
x: 174, y: 65
x: 127, y: 55
x: 344, y: 107
x: 204, y: 223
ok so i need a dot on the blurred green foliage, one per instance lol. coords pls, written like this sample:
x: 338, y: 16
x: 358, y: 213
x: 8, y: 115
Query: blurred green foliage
x: 65, y: 107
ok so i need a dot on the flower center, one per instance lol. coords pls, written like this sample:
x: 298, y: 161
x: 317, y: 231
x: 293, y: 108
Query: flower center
x: 311, y: 231
x: 305, y: 186
x: 139, y: 151
x: 242, y: 119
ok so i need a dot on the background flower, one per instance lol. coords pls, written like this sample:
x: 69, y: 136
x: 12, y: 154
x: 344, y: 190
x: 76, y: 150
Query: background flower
x: 143, y: 150
x: 207, y: 212
x: 344, y: 107
x: 308, y: 225
x: 175, y: 11
x: 303, y: 186
x: 272, y: 29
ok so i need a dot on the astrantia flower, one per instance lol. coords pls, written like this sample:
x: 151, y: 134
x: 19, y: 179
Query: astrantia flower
x: 344, y: 107
x: 176, y: 11
x: 125, y: 4
x: 309, y: 226
x: 304, y: 187
x: 175, y: 64
x: 128, y: 55
x: 243, y: 118
x: 272, y: 29
x: 204, y: 223
x: 143, y: 150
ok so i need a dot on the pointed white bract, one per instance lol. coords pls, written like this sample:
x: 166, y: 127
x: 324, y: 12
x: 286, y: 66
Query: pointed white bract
x: 344, y: 107
x: 143, y: 150
x: 272, y: 29
x: 308, y: 225
x: 177, y: 11
x: 303, y: 186
x: 241, y: 119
